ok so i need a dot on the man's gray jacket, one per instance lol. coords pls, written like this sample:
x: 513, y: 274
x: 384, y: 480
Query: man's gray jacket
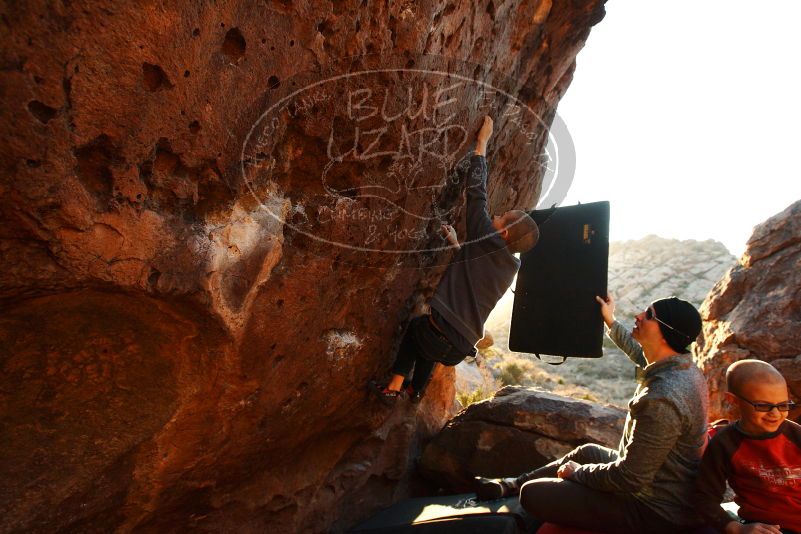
x: 663, y: 437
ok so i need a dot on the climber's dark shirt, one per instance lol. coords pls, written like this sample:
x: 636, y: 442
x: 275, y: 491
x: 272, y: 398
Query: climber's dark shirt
x: 481, y: 271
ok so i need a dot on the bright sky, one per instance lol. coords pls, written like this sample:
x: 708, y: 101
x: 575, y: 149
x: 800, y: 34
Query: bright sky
x: 686, y: 117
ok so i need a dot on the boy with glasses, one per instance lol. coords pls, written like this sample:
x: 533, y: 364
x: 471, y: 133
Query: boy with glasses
x: 759, y: 455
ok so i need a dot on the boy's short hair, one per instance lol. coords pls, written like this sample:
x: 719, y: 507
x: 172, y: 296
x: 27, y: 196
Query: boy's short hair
x: 744, y: 371
x: 523, y: 231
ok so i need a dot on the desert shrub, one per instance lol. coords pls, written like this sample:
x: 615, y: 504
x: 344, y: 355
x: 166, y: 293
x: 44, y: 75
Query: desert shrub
x: 511, y: 374
x: 490, y: 353
x: 466, y: 398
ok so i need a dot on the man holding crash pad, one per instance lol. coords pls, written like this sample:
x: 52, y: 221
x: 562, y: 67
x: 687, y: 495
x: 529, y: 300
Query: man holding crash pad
x: 646, y: 485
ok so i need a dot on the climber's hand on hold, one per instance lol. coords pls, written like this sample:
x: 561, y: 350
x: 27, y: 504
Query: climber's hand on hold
x: 449, y: 234
x: 483, y: 136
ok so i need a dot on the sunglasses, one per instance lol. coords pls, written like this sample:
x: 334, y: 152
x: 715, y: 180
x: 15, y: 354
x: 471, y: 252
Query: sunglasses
x: 785, y: 406
x: 651, y: 316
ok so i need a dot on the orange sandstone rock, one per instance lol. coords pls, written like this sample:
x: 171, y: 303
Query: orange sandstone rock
x: 755, y: 310
x: 176, y: 353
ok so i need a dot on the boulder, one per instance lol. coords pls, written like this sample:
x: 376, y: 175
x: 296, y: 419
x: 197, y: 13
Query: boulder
x: 754, y: 311
x: 216, y: 219
x: 515, y: 431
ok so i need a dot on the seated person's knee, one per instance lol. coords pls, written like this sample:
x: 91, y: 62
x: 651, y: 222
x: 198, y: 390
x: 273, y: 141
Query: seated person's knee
x: 533, y: 495
x: 581, y: 449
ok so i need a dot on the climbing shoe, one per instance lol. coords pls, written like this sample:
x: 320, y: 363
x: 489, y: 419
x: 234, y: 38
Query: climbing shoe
x: 413, y: 396
x: 489, y: 489
x: 384, y: 394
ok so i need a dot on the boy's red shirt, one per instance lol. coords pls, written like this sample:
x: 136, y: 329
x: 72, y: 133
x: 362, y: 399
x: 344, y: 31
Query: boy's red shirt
x: 764, y: 472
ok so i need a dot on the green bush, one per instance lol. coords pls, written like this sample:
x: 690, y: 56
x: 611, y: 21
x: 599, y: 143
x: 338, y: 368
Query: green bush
x: 466, y: 398
x: 512, y: 374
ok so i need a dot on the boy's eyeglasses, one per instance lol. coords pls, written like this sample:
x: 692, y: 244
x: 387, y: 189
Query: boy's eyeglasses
x: 785, y: 406
x: 651, y: 316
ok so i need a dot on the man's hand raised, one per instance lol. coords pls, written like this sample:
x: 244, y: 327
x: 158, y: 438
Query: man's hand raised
x: 607, y: 309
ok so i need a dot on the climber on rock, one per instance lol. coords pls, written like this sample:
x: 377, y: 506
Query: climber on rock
x: 476, y: 278
x: 646, y: 485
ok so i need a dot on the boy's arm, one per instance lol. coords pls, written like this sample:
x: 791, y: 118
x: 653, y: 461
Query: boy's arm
x: 711, y: 484
x: 478, y: 221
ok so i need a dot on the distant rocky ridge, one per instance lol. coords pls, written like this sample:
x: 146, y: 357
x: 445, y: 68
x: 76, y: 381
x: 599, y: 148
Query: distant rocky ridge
x: 653, y: 267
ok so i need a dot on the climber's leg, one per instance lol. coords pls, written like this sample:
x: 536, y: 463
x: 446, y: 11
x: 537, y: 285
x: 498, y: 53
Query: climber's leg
x: 405, y: 359
x: 423, y: 369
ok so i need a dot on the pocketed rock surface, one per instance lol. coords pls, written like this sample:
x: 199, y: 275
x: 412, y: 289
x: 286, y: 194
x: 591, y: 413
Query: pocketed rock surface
x: 177, y: 352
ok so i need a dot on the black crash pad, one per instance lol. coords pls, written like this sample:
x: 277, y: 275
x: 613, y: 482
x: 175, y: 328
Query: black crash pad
x: 555, y: 311
x: 449, y: 514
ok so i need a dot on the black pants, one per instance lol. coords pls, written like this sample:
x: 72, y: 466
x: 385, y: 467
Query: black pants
x: 421, y: 349
x: 568, y: 503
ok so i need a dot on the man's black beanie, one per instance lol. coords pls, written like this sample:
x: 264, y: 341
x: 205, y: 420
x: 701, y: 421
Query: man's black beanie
x: 683, y: 317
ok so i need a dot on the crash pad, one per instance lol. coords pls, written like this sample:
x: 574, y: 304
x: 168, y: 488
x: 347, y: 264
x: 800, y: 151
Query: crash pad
x: 554, y: 310
x: 551, y: 528
x: 449, y: 514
